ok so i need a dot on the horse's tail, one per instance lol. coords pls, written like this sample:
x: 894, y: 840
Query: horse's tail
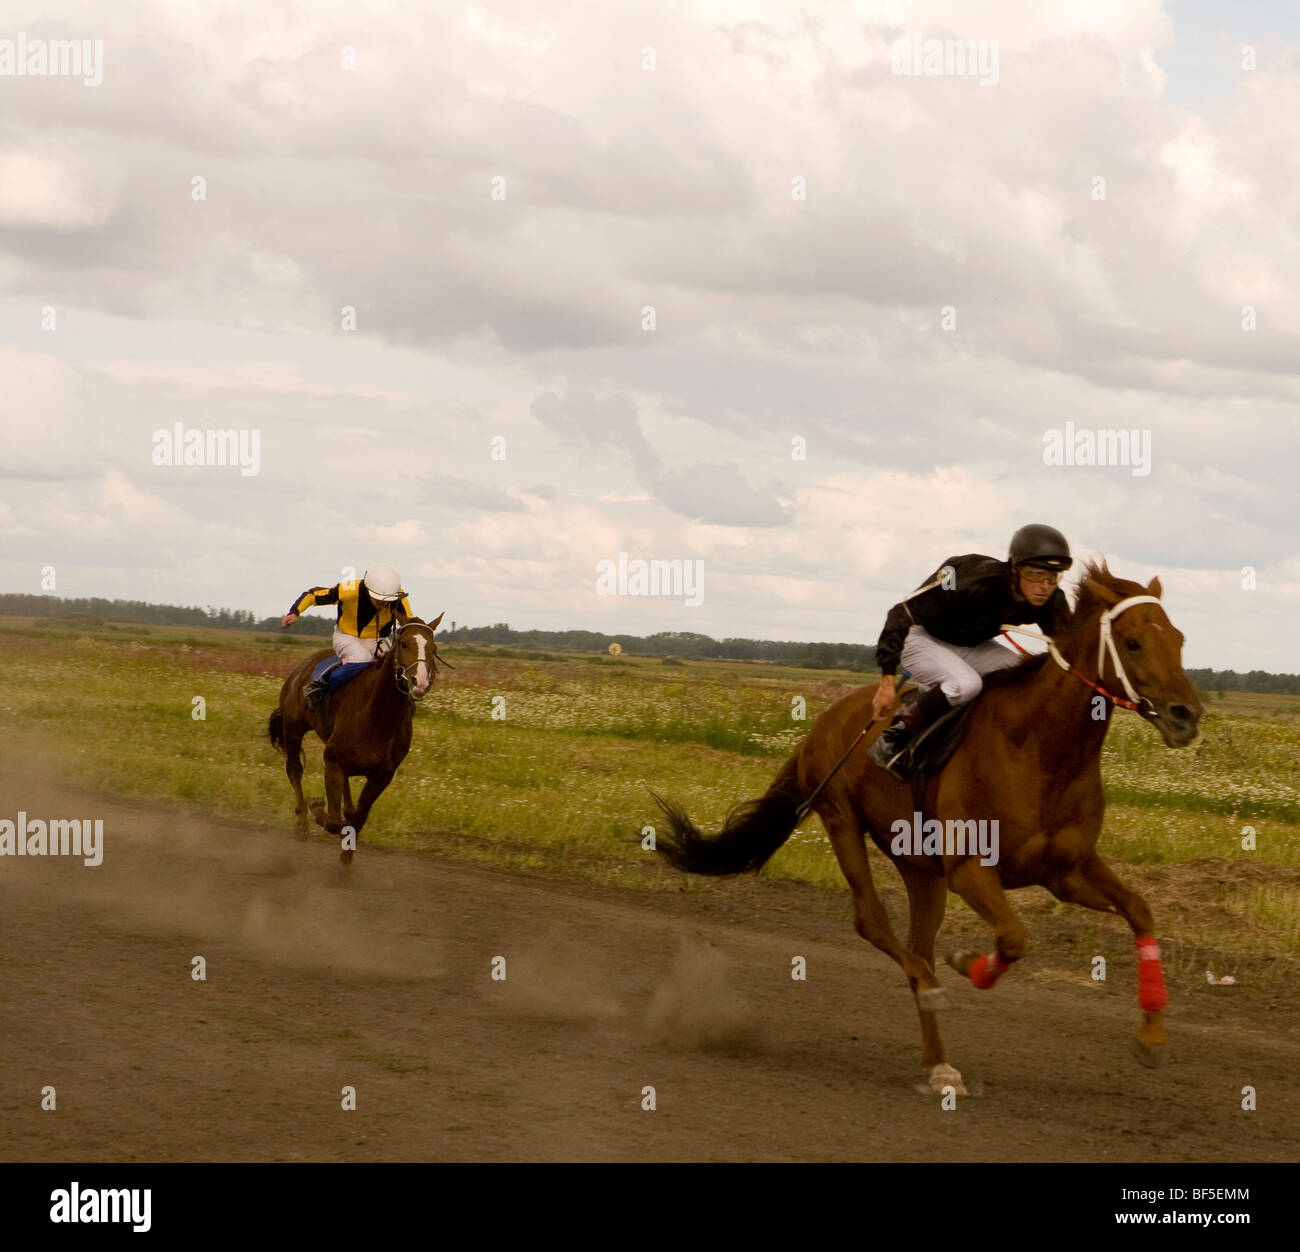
x: 275, y: 728
x: 751, y: 833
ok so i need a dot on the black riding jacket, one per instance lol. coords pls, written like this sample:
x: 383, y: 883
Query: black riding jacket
x: 979, y: 602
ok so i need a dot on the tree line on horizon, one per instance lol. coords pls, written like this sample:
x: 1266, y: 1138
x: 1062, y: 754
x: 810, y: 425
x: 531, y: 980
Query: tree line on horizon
x: 681, y: 645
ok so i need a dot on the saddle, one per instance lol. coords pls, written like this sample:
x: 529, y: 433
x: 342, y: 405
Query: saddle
x: 929, y: 750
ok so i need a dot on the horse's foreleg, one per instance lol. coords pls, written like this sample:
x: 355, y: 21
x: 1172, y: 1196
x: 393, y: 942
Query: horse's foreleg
x: 375, y: 784
x: 981, y: 888
x: 1093, y: 884
x: 335, y: 783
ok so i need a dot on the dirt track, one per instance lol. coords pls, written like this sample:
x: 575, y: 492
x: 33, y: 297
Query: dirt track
x: 383, y: 983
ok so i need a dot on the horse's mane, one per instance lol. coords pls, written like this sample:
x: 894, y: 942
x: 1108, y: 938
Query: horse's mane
x: 1088, y: 606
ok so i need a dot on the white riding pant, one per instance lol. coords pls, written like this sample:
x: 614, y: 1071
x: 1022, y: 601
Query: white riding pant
x: 351, y: 649
x: 958, y: 672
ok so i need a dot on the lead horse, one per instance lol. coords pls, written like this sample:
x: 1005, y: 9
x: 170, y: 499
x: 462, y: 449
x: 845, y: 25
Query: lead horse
x: 365, y: 726
x: 1030, y: 758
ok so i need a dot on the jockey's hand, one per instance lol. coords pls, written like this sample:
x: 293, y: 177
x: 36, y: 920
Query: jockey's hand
x: 288, y: 620
x: 883, y: 698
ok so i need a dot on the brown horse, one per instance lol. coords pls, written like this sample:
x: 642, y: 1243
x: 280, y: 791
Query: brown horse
x: 1031, y: 758
x: 365, y: 726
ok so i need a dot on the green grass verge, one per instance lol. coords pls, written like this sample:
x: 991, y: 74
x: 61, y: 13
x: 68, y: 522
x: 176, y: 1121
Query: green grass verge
x: 539, y: 763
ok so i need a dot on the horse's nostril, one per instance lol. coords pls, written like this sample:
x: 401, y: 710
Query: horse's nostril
x: 1181, y: 713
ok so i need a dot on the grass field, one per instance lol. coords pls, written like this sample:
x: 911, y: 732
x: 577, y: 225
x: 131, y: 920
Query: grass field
x: 553, y: 782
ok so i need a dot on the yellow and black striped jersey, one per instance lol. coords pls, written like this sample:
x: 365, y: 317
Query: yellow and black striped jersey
x: 359, y: 615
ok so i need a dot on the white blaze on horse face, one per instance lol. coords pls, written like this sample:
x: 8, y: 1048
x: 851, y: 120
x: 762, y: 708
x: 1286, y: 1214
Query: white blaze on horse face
x: 422, y: 669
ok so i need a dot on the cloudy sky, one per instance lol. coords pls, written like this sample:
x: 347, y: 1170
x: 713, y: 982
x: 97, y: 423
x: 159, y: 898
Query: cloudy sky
x: 691, y: 281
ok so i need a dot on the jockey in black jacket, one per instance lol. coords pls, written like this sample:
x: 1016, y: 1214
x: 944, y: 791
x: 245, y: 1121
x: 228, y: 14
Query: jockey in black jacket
x: 943, y: 632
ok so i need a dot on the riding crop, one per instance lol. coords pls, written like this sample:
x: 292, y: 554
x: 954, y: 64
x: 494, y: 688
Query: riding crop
x: 802, y: 811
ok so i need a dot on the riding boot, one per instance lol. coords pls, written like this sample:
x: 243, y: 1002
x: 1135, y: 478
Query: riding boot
x: 318, y: 690
x: 910, y: 719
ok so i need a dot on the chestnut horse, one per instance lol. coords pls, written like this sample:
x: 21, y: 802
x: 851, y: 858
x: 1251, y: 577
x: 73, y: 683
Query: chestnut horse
x: 365, y: 726
x: 1030, y: 758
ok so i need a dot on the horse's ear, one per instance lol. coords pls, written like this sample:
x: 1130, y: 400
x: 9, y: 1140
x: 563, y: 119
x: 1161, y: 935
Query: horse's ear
x: 433, y: 625
x: 1154, y: 588
x: 1102, y: 592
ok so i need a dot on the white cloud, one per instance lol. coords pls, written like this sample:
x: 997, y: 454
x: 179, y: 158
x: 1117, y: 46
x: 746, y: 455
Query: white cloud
x: 407, y: 534
x: 49, y: 193
x: 775, y: 318
x: 118, y: 493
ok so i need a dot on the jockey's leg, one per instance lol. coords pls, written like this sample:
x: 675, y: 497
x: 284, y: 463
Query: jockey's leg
x: 352, y: 650
x: 990, y: 657
x: 952, y: 669
x: 952, y: 681
x: 349, y: 650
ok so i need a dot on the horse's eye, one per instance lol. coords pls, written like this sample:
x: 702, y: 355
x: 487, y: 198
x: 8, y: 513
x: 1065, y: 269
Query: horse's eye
x: 1132, y: 645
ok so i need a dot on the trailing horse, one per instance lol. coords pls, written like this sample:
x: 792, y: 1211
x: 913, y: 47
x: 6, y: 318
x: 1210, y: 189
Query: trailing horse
x: 365, y: 726
x: 1030, y: 758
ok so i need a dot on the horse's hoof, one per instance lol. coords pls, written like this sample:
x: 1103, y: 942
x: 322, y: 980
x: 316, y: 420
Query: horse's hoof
x: 933, y: 1000
x: 1149, y: 1054
x: 960, y: 961
x: 318, y: 812
x: 942, y: 1076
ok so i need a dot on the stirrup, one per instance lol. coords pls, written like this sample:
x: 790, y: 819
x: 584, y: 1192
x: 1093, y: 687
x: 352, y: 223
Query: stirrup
x: 889, y: 748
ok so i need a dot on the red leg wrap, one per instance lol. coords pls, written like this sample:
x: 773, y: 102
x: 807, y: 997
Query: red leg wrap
x: 1152, y: 995
x: 986, y: 970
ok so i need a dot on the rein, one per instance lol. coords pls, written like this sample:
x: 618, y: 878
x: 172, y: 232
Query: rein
x: 1105, y: 643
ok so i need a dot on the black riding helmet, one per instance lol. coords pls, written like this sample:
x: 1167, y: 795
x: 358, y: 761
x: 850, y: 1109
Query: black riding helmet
x: 1041, y: 546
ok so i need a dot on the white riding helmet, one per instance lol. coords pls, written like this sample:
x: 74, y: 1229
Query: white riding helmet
x: 383, y: 583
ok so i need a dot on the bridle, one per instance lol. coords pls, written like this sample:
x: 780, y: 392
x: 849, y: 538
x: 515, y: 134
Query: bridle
x: 402, y: 673
x: 1105, y: 644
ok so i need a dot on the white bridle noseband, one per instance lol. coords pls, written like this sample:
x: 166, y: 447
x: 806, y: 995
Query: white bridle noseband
x: 1107, y: 644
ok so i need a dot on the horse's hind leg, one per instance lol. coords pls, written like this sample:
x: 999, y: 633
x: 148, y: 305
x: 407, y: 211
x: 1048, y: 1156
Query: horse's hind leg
x: 872, y: 922
x: 927, y: 897
x: 293, y: 767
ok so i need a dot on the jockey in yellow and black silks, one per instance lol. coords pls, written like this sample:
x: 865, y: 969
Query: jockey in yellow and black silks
x: 369, y: 609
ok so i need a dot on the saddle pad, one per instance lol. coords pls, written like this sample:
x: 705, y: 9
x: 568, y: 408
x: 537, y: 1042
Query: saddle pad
x: 343, y: 674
